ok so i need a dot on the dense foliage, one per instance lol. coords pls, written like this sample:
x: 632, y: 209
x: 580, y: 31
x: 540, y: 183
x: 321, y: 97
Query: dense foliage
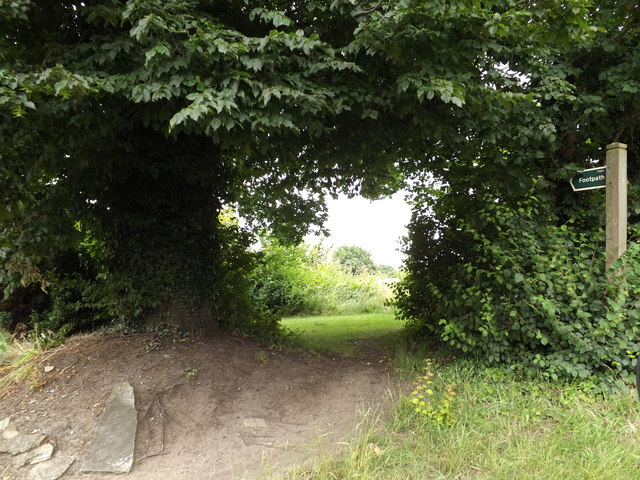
x: 133, y: 123
x: 530, y: 294
x: 128, y: 126
x: 354, y: 259
x: 300, y: 281
x: 504, y: 260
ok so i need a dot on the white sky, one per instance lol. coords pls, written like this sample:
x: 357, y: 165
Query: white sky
x: 375, y: 226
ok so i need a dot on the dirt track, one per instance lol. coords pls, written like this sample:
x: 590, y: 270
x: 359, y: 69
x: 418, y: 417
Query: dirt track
x: 208, y: 408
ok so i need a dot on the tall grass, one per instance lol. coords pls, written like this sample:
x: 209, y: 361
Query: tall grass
x: 328, y: 290
x: 296, y: 281
x: 20, y: 358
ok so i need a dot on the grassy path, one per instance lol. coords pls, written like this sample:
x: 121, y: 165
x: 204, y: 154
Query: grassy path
x: 344, y: 334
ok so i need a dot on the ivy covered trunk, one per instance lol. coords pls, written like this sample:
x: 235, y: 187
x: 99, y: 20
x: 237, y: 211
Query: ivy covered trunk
x: 156, y: 224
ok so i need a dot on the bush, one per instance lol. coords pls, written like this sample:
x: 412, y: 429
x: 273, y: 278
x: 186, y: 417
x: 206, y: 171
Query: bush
x: 5, y: 320
x: 291, y: 281
x: 530, y: 294
x: 238, y: 311
x: 66, y: 314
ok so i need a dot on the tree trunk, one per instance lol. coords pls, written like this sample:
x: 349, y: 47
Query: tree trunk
x: 184, y: 318
x: 157, y: 219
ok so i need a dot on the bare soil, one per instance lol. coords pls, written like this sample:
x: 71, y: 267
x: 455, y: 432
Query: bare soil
x: 208, y: 408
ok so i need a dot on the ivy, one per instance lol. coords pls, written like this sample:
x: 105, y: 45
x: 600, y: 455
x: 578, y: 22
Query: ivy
x: 140, y: 120
x: 533, y: 296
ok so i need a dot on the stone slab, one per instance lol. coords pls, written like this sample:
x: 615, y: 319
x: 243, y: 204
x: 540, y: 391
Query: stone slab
x: 41, y: 454
x: 8, y: 429
x: 4, y: 424
x: 112, y: 447
x: 17, y: 444
x: 51, y: 469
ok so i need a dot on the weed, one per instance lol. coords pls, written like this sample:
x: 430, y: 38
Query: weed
x: 19, y: 359
x: 165, y: 331
x: 433, y: 403
x: 261, y: 357
x: 190, y: 372
x: 152, y: 345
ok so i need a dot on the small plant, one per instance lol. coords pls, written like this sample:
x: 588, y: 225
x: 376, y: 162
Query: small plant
x: 152, y: 345
x: 181, y: 337
x: 165, y: 331
x: 190, y: 372
x: 261, y: 357
x: 432, y: 402
x: 19, y: 359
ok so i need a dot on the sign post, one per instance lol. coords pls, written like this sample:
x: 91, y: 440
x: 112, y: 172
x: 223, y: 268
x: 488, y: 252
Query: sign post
x: 614, y: 178
x: 616, y: 212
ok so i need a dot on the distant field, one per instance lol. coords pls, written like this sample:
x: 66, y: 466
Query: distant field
x: 340, y: 334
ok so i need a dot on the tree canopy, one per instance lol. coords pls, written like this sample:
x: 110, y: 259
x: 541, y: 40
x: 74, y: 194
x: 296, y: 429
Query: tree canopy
x: 127, y: 126
x: 505, y: 261
x: 354, y: 259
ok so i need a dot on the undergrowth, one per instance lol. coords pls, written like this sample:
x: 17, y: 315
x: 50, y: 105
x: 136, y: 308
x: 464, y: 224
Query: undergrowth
x: 20, y: 358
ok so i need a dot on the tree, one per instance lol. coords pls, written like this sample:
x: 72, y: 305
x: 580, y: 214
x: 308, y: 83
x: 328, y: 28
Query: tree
x: 134, y: 123
x: 353, y: 259
x: 504, y: 260
x: 387, y: 270
x: 127, y: 126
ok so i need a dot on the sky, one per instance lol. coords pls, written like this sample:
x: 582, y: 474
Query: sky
x: 375, y: 226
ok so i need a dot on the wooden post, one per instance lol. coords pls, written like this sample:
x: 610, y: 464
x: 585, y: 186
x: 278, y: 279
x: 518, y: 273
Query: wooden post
x: 616, y: 212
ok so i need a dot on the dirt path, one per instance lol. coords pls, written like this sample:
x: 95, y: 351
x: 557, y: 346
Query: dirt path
x: 218, y: 408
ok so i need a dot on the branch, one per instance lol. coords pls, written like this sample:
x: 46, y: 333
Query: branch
x: 625, y: 123
x: 367, y: 12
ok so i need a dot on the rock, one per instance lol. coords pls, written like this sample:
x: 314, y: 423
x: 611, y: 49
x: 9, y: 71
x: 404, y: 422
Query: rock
x: 11, y: 441
x: 52, y: 469
x: 4, y: 424
x: 8, y: 429
x: 112, y: 447
x: 38, y: 455
x: 17, y: 444
x: 48, y: 368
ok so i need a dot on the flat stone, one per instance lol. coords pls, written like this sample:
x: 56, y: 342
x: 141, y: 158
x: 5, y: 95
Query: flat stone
x: 8, y: 429
x: 4, y: 424
x: 41, y: 454
x: 254, y: 423
x: 52, y: 469
x: 17, y: 444
x: 112, y: 447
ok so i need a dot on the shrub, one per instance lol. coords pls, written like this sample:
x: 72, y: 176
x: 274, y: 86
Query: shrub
x: 66, y: 314
x: 291, y: 281
x: 530, y: 294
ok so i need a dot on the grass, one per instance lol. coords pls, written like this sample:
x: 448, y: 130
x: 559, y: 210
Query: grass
x: 340, y: 334
x: 19, y: 360
x: 504, y: 427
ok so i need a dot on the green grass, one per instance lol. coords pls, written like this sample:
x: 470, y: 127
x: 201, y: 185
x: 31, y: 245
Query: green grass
x: 504, y: 427
x: 344, y: 335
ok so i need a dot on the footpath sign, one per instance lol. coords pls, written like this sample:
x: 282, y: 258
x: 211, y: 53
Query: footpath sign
x: 614, y: 178
x: 589, y: 179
